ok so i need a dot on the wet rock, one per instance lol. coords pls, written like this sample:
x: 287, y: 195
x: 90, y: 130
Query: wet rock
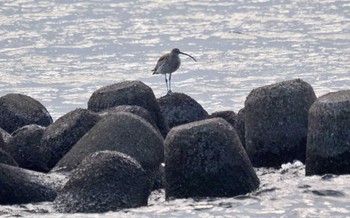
x: 62, y: 135
x: 122, y: 132
x: 328, y: 143
x: 276, y: 122
x: 232, y: 118
x: 24, y: 146
x: 206, y: 159
x: 134, y: 109
x: 6, y: 158
x: 105, y: 181
x: 21, y: 186
x: 18, y: 110
x: 128, y: 93
x: 179, y: 108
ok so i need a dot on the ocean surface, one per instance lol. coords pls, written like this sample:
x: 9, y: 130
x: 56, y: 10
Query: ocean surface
x: 60, y: 51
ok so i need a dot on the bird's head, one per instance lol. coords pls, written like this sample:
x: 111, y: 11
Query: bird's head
x: 177, y: 51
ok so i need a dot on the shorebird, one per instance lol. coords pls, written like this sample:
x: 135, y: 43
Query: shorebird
x: 168, y: 64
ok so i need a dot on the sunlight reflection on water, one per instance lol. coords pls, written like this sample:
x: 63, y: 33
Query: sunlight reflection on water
x: 67, y: 45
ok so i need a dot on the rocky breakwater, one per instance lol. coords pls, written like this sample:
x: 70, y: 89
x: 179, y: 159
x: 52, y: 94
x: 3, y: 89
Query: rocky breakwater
x: 108, y: 156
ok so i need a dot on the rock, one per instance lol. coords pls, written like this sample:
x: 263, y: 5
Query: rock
x: 232, y: 118
x: 179, y: 108
x: 128, y: 93
x: 229, y: 116
x: 18, y: 110
x: 206, y: 159
x: 20, y: 186
x: 62, y: 135
x: 122, y: 132
x: 6, y: 158
x: 159, y: 181
x: 2, y: 142
x: 328, y: 142
x: 4, y: 135
x: 134, y: 109
x: 24, y: 146
x: 240, y: 125
x: 276, y: 122
x: 105, y: 181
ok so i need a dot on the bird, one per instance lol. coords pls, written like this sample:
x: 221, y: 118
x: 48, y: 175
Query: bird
x: 168, y: 64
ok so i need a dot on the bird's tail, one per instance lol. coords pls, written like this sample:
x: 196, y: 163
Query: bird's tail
x: 154, y: 72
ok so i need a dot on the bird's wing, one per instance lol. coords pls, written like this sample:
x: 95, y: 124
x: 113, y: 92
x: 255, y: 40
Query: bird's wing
x: 161, y: 61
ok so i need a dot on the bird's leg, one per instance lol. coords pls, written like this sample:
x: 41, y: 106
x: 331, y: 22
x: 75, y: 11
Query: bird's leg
x: 169, y: 82
x: 166, y: 83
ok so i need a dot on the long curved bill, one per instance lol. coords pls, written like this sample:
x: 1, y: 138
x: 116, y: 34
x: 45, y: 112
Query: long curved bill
x: 188, y: 56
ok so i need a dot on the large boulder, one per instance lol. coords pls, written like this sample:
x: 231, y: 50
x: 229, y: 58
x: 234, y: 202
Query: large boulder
x: 24, y: 146
x: 60, y: 136
x: 6, y: 158
x: 328, y: 142
x: 21, y: 186
x: 128, y: 93
x: 276, y: 122
x: 123, y: 132
x: 17, y: 110
x: 179, y: 108
x: 206, y: 159
x: 105, y: 181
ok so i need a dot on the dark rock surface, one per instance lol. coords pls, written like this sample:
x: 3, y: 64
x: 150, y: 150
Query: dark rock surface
x: 105, y: 181
x: 62, y: 135
x: 20, y: 186
x: 328, y: 143
x: 134, y: 109
x: 17, y: 110
x: 234, y: 120
x: 123, y: 132
x: 6, y: 158
x: 159, y: 181
x: 128, y: 93
x: 2, y: 142
x: 24, y: 146
x: 240, y: 125
x: 179, y: 108
x: 276, y: 122
x: 206, y: 159
x: 4, y: 135
x: 229, y: 116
